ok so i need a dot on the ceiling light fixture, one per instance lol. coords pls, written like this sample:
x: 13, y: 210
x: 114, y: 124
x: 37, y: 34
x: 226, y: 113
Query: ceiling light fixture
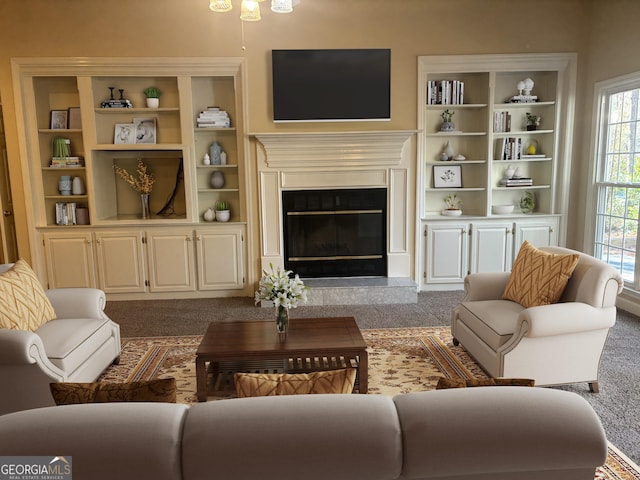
x: 250, y: 9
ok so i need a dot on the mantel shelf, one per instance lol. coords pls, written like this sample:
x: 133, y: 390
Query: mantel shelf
x: 380, y: 147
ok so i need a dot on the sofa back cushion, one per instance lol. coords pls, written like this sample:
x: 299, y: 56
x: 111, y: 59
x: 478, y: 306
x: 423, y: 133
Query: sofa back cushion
x: 538, y: 277
x: 294, y: 437
x: 23, y: 303
x: 105, y: 440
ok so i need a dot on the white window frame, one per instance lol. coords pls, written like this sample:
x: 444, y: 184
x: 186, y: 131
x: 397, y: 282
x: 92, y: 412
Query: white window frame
x: 602, y: 91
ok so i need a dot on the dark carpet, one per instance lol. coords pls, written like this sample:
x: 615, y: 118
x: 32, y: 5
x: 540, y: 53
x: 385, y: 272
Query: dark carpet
x: 617, y: 404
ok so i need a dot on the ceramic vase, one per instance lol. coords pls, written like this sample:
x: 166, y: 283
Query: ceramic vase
x: 217, y: 179
x: 448, y: 150
x: 209, y: 215
x: 77, y: 186
x: 64, y: 185
x: 153, y: 102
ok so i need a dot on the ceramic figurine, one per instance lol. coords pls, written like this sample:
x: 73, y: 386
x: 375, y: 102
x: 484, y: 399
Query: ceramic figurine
x: 214, y: 153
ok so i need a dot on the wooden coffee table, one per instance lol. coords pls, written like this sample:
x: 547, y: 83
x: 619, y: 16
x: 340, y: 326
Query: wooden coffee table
x: 312, y: 344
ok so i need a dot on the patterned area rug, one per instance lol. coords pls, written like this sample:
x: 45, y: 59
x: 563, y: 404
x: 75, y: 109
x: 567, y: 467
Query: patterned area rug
x: 401, y: 360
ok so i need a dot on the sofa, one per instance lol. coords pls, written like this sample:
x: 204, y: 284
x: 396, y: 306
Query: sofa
x: 76, y: 346
x: 557, y: 343
x: 481, y: 433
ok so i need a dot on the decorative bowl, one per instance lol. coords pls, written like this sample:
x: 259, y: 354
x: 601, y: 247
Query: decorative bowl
x: 451, y: 213
x: 502, y: 209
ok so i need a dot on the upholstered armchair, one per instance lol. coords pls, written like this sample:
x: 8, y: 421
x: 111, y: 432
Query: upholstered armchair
x: 75, y: 346
x: 558, y: 343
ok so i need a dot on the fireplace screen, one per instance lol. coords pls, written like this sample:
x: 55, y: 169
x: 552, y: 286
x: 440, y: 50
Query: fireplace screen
x: 335, y: 233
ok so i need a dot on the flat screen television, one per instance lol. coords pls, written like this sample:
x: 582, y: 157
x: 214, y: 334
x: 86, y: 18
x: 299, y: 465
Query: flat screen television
x: 331, y: 85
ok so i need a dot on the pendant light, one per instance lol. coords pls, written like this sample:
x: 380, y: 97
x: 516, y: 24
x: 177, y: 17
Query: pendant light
x: 250, y: 11
x: 220, y: 6
x: 282, y: 6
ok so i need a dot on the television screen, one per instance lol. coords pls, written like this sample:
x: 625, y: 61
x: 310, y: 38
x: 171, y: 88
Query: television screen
x: 331, y: 85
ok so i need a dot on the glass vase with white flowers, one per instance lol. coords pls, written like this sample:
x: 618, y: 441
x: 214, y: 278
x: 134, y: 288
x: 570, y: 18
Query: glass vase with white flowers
x: 284, y: 290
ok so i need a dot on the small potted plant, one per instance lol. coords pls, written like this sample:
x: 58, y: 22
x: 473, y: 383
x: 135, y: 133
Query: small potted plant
x: 533, y: 121
x: 223, y: 214
x: 447, y: 124
x: 528, y: 202
x: 153, y: 96
x: 453, y: 204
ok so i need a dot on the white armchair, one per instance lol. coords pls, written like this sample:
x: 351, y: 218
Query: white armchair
x: 75, y: 347
x: 552, y: 344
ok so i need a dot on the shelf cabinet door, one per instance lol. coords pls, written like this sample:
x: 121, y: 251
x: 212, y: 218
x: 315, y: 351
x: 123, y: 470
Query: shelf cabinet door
x: 220, y: 258
x: 491, y: 247
x: 447, y: 247
x: 70, y: 260
x: 171, y: 261
x: 538, y: 232
x: 120, y: 261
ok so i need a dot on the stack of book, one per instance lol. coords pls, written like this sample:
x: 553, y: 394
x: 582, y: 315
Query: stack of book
x: 66, y: 213
x: 511, y: 148
x: 445, y: 92
x: 501, y: 122
x: 516, y: 182
x: 213, y: 117
x: 62, y: 162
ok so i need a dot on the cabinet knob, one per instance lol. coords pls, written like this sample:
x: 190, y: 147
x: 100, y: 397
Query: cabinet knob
x: 508, y: 230
x: 7, y: 213
x: 550, y: 229
x: 188, y: 239
x: 464, y: 231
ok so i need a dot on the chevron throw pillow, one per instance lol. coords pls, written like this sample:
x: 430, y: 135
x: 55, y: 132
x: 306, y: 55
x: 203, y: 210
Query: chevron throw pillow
x: 266, y: 384
x: 537, y: 277
x: 23, y: 303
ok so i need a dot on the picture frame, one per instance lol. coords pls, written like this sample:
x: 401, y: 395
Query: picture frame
x: 58, y: 119
x: 145, y: 130
x: 124, y: 133
x: 447, y: 176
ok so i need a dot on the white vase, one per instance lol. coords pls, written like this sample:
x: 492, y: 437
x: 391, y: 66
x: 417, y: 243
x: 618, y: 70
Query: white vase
x: 209, y: 215
x: 448, y: 149
x: 77, y: 186
x: 153, y: 102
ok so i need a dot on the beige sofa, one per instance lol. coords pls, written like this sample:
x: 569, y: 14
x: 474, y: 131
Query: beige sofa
x: 552, y: 344
x: 482, y: 433
x: 75, y: 347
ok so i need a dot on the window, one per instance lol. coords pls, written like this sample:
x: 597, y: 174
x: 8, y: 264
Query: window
x: 618, y: 178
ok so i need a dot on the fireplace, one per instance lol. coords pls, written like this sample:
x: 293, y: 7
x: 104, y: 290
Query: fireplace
x: 335, y: 233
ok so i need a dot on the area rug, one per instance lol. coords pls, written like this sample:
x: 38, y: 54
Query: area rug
x: 401, y: 360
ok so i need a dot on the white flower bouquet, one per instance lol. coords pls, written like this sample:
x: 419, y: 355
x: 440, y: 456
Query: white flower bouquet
x: 283, y: 290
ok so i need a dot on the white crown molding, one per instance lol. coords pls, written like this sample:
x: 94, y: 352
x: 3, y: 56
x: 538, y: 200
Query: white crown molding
x: 334, y: 149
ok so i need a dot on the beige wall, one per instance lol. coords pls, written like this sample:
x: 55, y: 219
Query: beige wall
x: 409, y: 27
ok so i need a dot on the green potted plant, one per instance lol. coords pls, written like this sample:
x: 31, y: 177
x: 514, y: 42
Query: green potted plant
x: 153, y: 96
x: 528, y: 202
x: 533, y: 121
x: 223, y: 214
x: 447, y: 123
x: 453, y: 204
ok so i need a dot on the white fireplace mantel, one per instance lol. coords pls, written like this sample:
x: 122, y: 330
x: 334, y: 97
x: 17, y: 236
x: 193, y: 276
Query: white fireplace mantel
x: 311, y: 160
x: 318, y: 149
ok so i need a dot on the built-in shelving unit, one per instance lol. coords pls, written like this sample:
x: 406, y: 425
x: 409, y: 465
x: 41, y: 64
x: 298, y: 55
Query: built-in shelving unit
x: 171, y: 145
x: 488, y: 121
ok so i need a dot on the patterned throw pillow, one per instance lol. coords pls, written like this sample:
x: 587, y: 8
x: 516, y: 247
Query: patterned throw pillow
x: 23, y: 303
x: 265, y: 384
x: 159, y: 390
x: 444, y: 383
x: 537, y: 277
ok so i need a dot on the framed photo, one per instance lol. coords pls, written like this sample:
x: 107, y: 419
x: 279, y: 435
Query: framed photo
x: 124, y: 133
x: 447, y: 176
x: 59, y: 119
x: 145, y: 130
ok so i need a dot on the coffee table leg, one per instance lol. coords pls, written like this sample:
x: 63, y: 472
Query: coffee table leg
x: 201, y: 379
x: 363, y: 371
